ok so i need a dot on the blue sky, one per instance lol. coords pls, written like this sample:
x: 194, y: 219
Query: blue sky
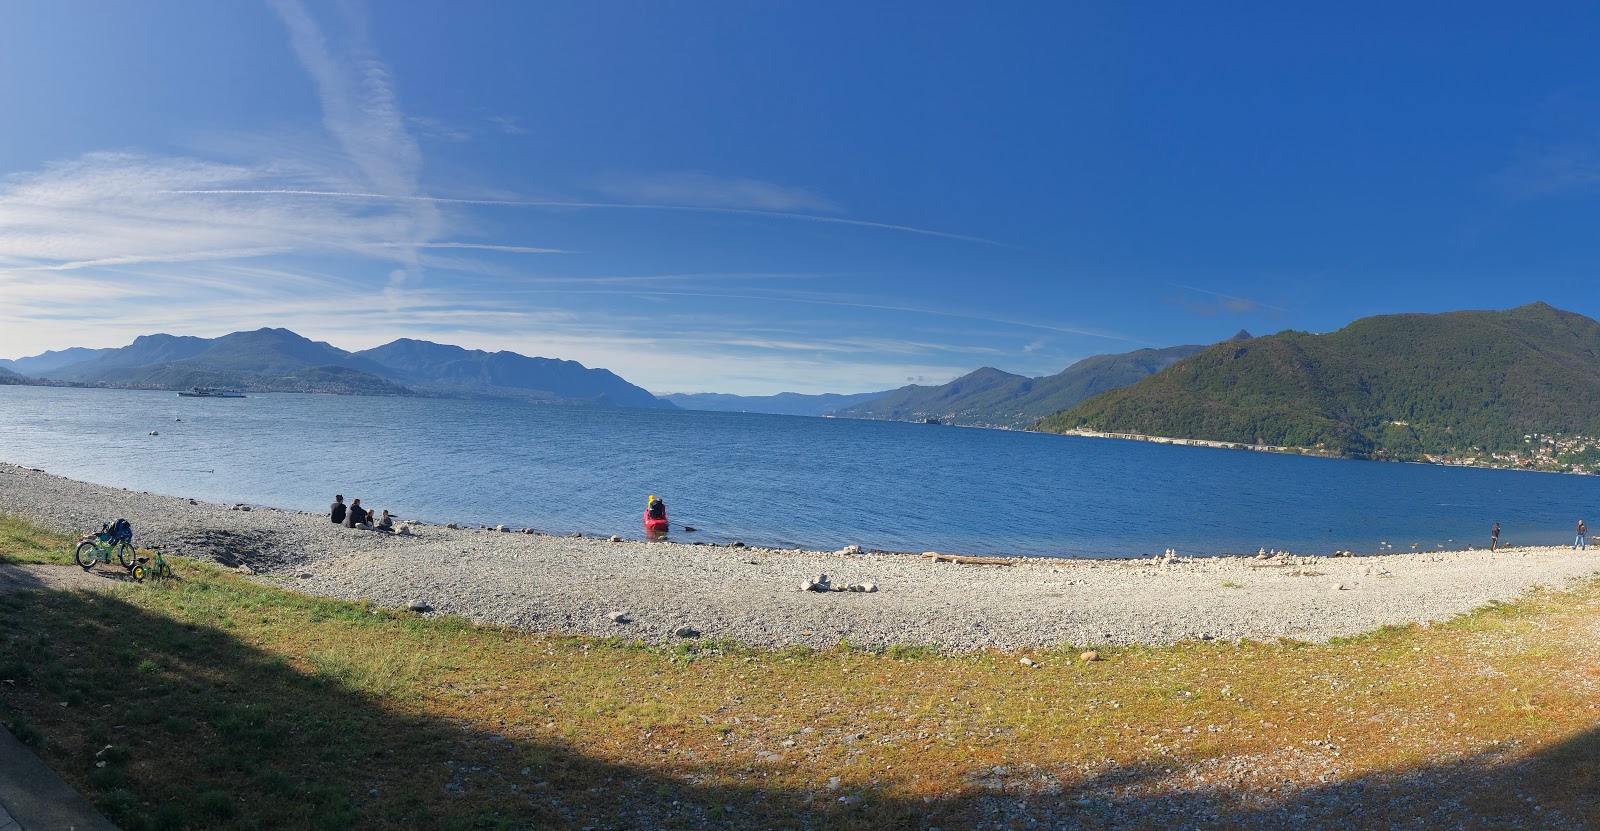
x: 755, y: 197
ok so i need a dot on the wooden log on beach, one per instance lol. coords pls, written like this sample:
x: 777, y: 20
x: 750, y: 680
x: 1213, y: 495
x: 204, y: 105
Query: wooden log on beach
x: 968, y: 561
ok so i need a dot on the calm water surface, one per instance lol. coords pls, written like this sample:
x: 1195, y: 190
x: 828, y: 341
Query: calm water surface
x: 771, y: 480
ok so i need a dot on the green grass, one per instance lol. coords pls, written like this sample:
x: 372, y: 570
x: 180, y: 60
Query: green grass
x: 229, y: 704
x: 22, y: 542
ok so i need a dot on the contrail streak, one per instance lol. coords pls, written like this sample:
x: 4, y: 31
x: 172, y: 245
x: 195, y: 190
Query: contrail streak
x: 518, y: 203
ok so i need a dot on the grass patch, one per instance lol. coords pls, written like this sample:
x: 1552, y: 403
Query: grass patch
x: 227, y: 703
x: 22, y: 542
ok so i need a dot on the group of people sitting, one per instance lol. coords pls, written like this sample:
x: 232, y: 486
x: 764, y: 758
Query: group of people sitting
x: 355, y: 516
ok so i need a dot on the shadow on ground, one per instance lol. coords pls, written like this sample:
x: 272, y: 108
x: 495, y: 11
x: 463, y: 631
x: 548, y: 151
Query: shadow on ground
x: 166, y: 725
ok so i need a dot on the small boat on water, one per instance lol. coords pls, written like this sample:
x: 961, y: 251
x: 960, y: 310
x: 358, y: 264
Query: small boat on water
x: 209, y: 392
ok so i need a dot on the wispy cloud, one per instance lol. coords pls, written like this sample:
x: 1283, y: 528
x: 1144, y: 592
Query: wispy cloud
x: 1214, y: 303
x: 507, y: 124
x: 1549, y: 171
x: 532, y: 203
x: 474, y: 246
x: 699, y: 189
x: 361, y: 109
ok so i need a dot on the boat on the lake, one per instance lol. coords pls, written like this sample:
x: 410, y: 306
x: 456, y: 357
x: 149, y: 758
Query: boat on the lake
x: 210, y: 392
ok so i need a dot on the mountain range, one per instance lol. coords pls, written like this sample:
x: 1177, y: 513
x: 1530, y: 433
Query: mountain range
x: 1392, y: 386
x: 784, y: 403
x: 278, y: 360
x: 989, y: 397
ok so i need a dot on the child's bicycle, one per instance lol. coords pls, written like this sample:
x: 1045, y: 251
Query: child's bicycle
x: 114, y: 537
x: 151, y: 567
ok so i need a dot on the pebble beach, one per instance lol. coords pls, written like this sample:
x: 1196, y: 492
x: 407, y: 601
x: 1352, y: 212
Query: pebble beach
x: 664, y: 591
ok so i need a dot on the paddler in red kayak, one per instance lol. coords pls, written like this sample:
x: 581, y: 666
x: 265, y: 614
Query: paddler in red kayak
x: 655, y: 517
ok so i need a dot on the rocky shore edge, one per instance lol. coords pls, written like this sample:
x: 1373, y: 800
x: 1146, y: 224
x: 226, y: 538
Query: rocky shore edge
x: 663, y: 592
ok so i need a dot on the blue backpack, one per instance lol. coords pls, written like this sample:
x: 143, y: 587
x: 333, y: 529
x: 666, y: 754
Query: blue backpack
x: 117, y: 531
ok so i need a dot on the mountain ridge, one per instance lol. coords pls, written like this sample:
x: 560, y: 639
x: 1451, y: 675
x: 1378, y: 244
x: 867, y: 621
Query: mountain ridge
x: 989, y: 397
x: 280, y: 360
x: 1390, y: 386
x: 783, y: 403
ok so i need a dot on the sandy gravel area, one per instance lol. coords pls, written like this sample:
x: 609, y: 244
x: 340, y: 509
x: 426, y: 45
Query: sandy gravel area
x: 754, y: 595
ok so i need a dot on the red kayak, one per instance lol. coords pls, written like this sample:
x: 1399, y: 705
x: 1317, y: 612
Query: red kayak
x: 654, y: 526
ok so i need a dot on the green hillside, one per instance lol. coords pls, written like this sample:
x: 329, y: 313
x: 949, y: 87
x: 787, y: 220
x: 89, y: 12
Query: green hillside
x: 1393, y: 386
x: 989, y: 397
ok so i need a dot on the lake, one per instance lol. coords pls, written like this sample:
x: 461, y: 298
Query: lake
x: 771, y: 480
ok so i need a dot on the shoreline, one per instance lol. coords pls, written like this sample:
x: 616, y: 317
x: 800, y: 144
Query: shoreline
x: 574, y: 585
x: 1300, y: 451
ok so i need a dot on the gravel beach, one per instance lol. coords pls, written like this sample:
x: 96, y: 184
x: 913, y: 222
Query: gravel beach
x: 755, y: 595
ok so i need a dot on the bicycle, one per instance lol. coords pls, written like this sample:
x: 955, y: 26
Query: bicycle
x: 151, y: 567
x: 113, y: 538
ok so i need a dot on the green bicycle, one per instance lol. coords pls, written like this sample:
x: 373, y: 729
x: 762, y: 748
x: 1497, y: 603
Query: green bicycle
x: 113, y: 538
x: 151, y: 567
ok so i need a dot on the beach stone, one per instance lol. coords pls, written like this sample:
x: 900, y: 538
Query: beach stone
x: 404, y: 531
x: 452, y: 525
x: 245, y: 569
x: 1028, y: 662
x: 576, y: 535
x: 1090, y: 655
x: 686, y: 632
x: 615, y: 538
x: 850, y: 550
x: 419, y: 606
x: 619, y: 617
x: 1340, y: 587
x: 502, y: 529
x: 736, y: 544
x: 304, y: 575
x: 869, y: 588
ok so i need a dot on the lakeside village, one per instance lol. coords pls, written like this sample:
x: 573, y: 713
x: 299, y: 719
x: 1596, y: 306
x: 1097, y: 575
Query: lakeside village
x: 1551, y: 452
x: 1547, y: 452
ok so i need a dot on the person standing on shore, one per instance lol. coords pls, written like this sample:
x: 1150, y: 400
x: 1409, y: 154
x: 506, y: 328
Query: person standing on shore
x: 1583, y: 532
x: 336, y: 513
x: 1494, y: 537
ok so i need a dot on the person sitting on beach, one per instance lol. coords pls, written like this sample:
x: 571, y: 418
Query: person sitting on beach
x: 385, y: 522
x: 357, y: 516
x: 336, y: 513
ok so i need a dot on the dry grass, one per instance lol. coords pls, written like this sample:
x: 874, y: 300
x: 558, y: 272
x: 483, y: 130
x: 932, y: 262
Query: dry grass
x: 232, y: 704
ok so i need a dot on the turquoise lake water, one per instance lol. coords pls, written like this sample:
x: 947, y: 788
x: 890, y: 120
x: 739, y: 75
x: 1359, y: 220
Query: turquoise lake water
x: 772, y: 480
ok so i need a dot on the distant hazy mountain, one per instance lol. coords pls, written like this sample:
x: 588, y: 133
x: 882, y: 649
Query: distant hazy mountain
x: 38, y: 365
x: 454, y: 370
x: 146, y: 350
x: 279, y: 360
x: 9, y: 377
x: 989, y: 397
x: 784, y: 403
x: 275, y: 360
x: 1392, y: 386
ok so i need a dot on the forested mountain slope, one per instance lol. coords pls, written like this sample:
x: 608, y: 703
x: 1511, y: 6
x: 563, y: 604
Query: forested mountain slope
x: 1389, y: 386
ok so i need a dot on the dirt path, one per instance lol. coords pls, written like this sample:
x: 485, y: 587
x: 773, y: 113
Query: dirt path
x: 16, y: 578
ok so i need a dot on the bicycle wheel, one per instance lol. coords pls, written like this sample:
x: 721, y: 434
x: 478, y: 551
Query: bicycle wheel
x: 138, y: 573
x: 87, y: 554
x: 126, y: 555
x: 163, y: 570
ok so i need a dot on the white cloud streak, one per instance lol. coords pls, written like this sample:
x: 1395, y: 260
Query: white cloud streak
x: 697, y: 188
x: 522, y: 203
